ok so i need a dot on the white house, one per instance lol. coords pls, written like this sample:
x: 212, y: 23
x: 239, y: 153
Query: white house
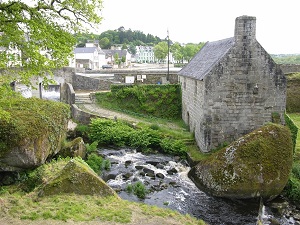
x: 145, y: 54
x: 90, y: 57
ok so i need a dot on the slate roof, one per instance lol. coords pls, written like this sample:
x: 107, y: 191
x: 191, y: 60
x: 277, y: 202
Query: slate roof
x: 113, y: 52
x: 205, y: 60
x: 85, y: 50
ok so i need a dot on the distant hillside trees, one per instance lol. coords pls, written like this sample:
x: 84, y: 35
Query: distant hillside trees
x: 286, y: 59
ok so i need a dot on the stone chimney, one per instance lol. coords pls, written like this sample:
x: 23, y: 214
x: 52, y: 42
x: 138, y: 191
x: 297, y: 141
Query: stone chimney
x: 245, y: 29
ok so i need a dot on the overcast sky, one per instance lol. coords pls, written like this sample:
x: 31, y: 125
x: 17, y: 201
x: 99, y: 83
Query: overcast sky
x: 277, y: 21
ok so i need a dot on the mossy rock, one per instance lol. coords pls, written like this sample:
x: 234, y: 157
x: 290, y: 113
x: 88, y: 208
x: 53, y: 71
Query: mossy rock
x: 256, y: 165
x: 78, y: 178
x: 75, y: 148
x: 34, y: 132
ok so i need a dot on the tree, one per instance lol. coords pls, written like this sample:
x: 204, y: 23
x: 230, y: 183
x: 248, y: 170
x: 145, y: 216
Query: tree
x: 161, y: 50
x: 41, y: 32
x: 177, y: 51
x: 104, y: 43
x: 190, y: 50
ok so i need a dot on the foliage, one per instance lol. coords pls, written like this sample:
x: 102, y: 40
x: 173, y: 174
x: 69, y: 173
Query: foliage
x: 91, y: 147
x: 292, y: 189
x: 138, y: 189
x: 109, y: 132
x: 162, y: 101
x: 286, y: 59
x: 170, y: 146
x: 293, y: 128
x: 38, y: 36
x: 161, y: 50
x: 97, y: 163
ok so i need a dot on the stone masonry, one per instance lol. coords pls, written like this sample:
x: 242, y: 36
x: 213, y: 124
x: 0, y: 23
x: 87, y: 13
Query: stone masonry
x: 231, y: 87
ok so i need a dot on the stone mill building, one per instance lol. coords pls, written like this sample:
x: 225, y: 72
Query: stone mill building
x: 231, y: 87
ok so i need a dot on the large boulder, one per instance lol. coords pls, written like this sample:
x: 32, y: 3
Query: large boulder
x: 256, y: 165
x: 34, y: 132
x: 78, y: 178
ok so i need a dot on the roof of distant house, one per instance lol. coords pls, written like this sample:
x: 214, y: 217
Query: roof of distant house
x: 111, y: 52
x: 88, y: 50
x: 205, y: 60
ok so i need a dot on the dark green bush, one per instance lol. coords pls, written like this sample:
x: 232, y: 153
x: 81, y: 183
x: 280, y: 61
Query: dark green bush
x: 296, y: 170
x: 292, y: 189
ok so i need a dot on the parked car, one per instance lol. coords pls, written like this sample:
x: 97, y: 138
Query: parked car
x: 107, y: 67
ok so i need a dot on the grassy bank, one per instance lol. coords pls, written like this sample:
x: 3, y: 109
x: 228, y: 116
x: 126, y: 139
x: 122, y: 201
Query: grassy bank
x: 22, y: 208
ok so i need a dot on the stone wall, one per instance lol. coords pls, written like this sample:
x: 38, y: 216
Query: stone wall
x: 290, y: 68
x: 67, y: 73
x: 67, y: 93
x: 150, y: 78
x: 82, y: 117
x: 90, y: 84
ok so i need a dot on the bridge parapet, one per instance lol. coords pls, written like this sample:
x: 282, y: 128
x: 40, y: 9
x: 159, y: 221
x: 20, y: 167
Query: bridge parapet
x: 290, y: 68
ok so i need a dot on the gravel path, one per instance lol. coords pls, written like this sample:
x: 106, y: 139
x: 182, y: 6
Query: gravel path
x: 95, y: 109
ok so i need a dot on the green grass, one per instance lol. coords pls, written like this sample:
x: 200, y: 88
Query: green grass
x: 82, y: 208
x: 296, y: 118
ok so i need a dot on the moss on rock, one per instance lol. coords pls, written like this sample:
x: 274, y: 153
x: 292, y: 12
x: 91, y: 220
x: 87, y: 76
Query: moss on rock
x: 74, y: 148
x: 256, y: 165
x: 35, y: 131
x: 78, y: 178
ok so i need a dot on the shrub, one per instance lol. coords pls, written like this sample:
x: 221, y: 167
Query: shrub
x: 173, y: 147
x: 296, y: 170
x: 292, y: 189
x: 107, y: 132
x: 92, y: 147
x: 138, y: 189
x: 144, y: 138
x: 97, y: 163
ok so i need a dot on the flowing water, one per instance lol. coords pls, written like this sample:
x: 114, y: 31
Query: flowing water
x: 169, y: 186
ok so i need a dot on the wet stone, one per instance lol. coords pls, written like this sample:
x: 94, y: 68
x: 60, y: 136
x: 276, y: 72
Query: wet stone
x: 127, y: 163
x: 142, y: 173
x: 127, y: 175
x: 172, y: 171
x: 153, y: 163
x: 139, y: 167
x: 160, y: 175
x: 160, y: 166
x: 148, y: 171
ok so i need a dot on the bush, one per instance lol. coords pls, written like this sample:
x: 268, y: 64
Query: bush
x: 138, y: 189
x: 144, y: 138
x: 97, y: 163
x: 92, y: 147
x: 292, y: 189
x: 173, y: 147
x: 107, y: 132
x: 296, y: 170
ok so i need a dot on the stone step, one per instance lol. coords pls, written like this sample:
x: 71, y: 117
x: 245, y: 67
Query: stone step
x: 83, y: 99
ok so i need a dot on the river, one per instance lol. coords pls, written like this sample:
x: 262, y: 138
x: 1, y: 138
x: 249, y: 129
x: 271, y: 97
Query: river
x: 169, y: 186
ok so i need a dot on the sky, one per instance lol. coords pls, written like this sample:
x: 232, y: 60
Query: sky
x: 194, y: 21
